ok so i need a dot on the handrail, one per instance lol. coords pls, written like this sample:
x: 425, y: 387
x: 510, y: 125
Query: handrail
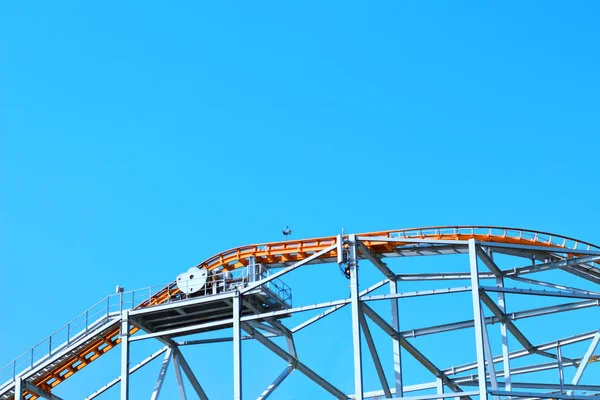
x: 45, y: 348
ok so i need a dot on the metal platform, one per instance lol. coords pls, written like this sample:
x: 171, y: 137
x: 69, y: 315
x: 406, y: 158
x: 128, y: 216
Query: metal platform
x: 205, y: 313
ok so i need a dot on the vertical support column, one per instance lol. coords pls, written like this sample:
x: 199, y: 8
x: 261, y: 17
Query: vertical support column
x: 477, y: 318
x: 503, y: 331
x: 396, y: 343
x: 237, y: 347
x: 490, y: 357
x: 18, y: 388
x: 353, y: 267
x: 561, y: 375
x: 125, y: 355
x: 440, y: 386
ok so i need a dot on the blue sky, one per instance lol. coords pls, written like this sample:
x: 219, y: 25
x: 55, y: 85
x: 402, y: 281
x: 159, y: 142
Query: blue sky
x: 138, y: 139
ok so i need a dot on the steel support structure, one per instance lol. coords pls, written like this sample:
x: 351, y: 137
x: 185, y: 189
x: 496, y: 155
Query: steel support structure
x: 125, y: 355
x: 490, y: 375
x: 396, y: 348
x: 478, y: 318
x: 237, y: 347
x: 356, y: 311
x: 18, y: 388
x: 162, y: 374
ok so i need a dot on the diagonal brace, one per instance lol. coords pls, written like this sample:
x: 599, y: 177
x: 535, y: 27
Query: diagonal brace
x: 293, y: 361
x: 487, y: 260
x: 375, y: 260
x: 190, y: 375
x: 586, y: 359
x: 374, y: 355
x: 513, y: 328
x: 161, y: 375
x: 289, y: 269
x: 269, y: 391
x: 411, y: 349
x: 118, y: 379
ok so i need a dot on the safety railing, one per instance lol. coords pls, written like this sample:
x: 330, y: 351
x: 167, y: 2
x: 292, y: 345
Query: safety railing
x: 110, y: 308
x: 277, y: 286
x: 91, y: 319
x: 496, y: 232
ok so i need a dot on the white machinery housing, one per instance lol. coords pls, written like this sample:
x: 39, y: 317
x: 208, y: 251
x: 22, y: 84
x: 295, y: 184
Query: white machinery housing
x: 192, y: 281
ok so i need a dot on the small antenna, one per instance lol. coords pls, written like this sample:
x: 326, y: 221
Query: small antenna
x: 287, y: 232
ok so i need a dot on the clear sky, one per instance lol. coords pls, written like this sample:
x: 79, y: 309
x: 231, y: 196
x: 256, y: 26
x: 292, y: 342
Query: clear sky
x: 139, y: 138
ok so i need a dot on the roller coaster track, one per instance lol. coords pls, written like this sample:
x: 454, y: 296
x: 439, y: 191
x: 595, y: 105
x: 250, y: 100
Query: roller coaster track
x: 98, y: 339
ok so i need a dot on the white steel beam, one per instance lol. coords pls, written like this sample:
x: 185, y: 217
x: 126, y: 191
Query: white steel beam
x: 266, y: 328
x: 489, y: 357
x: 504, y: 335
x: 536, y: 395
x: 237, y: 347
x: 439, y: 386
x: 356, y: 310
x: 269, y: 391
x: 586, y: 359
x: 396, y: 347
x: 513, y: 328
x: 522, y: 353
x: 375, y: 260
x: 489, y: 262
x: 125, y: 355
x: 561, y: 373
x: 535, y: 312
x: 294, y: 361
x: 161, y: 374
x: 443, y: 276
x: 179, y: 378
x: 550, y: 293
x: 418, y: 293
x: 375, y: 356
x: 478, y: 319
x: 565, y: 263
x: 289, y: 337
x: 289, y: 269
x: 553, y: 285
x: 339, y: 304
x: 190, y: 375
x: 412, y: 350
x: 18, y: 388
x: 118, y: 379
x: 545, y: 249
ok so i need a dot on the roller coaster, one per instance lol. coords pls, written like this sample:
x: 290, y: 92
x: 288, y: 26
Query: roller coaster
x: 241, y: 291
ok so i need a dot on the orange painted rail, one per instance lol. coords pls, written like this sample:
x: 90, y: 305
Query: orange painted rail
x: 296, y: 250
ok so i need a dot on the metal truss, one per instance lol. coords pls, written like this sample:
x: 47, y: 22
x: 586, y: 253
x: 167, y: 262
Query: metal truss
x: 490, y: 376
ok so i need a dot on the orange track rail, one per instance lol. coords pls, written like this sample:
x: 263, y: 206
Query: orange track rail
x: 297, y: 250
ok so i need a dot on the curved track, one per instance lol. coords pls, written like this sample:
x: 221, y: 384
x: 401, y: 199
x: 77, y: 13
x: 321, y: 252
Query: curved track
x: 283, y: 253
